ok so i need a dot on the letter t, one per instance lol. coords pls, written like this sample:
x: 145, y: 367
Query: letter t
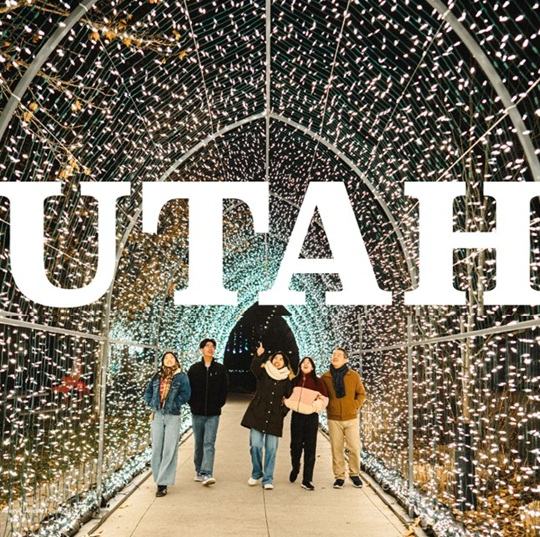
x: 205, y: 230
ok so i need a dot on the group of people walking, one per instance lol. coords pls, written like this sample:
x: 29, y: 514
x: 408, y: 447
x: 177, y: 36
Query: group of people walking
x: 279, y: 390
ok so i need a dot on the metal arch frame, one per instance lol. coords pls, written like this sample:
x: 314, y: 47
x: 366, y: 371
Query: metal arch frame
x: 329, y: 84
x: 443, y: 10
x: 498, y: 85
x: 197, y: 147
x: 445, y: 13
x: 51, y: 329
x: 267, y: 106
x: 46, y: 50
x: 282, y: 119
x: 353, y: 167
x: 267, y: 87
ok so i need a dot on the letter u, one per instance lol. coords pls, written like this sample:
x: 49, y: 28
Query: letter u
x: 27, y: 248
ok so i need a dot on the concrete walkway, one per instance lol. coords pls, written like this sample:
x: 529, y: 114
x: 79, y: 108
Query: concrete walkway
x: 232, y: 508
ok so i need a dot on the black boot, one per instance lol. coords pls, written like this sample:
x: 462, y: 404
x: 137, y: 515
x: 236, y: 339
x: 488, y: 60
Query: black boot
x: 161, y: 491
x: 294, y: 474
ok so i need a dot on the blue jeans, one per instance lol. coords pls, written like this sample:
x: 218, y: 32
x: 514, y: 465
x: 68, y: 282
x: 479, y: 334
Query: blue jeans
x: 258, y: 441
x: 165, y: 436
x: 204, y: 431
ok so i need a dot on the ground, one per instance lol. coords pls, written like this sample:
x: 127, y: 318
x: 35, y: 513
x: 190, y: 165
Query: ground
x: 232, y: 508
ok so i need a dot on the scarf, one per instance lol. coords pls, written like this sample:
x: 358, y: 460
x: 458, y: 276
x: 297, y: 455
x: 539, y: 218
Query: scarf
x: 337, y: 379
x: 311, y: 383
x: 274, y: 372
x: 165, y: 380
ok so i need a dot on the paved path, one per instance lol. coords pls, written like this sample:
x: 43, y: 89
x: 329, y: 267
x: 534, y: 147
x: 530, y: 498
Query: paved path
x: 232, y: 508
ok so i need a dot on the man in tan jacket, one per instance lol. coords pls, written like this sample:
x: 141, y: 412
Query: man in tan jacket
x: 347, y: 395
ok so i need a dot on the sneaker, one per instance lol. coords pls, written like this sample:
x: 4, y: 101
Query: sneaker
x: 338, y: 483
x: 308, y: 485
x: 268, y: 486
x: 161, y: 491
x: 293, y: 475
x: 252, y: 482
x: 356, y: 481
x: 199, y: 478
x: 208, y: 480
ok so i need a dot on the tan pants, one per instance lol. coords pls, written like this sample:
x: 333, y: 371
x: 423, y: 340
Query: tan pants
x: 345, y: 433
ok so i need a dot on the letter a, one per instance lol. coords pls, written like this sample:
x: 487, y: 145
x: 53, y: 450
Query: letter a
x: 350, y: 259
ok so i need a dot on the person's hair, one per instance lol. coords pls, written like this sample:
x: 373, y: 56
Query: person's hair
x: 285, y: 358
x: 345, y: 353
x: 207, y: 340
x: 286, y: 362
x: 310, y: 359
x: 175, y: 357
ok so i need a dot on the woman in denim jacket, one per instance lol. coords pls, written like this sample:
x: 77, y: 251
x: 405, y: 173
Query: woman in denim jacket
x: 165, y: 394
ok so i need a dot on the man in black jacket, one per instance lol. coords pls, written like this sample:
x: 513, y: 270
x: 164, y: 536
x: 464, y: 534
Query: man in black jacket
x: 209, y: 384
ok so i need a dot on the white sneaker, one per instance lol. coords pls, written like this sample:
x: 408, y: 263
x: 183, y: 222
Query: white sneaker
x: 252, y: 482
x: 208, y: 480
x: 268, y: 486
x: 199, y: 478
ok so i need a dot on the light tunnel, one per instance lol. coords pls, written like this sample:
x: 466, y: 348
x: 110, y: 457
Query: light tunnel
x: 371, y: 94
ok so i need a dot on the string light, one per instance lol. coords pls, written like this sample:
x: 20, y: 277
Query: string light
x: 371, y: 93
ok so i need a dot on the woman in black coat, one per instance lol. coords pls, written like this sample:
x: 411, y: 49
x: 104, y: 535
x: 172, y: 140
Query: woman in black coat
x: 264, y: 415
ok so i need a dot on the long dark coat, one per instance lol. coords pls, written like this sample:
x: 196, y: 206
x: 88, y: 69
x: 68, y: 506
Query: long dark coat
x: 266, y: 411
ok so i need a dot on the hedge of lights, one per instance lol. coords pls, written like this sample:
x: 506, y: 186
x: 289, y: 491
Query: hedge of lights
x: 369, y: 92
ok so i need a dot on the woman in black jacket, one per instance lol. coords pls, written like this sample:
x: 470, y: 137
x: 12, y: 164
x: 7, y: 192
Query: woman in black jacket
x: 264, y: 415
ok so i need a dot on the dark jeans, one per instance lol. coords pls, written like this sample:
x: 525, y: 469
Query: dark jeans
x: 304, y: 429
x: 204, y: 433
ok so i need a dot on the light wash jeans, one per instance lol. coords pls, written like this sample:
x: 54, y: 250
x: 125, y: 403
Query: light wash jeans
x: 258, y: 441
x: 165, y: 436
x: 204, y: 432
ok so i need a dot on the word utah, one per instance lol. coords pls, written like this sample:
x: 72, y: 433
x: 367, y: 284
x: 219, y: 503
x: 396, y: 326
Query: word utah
x: 349, y: 256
